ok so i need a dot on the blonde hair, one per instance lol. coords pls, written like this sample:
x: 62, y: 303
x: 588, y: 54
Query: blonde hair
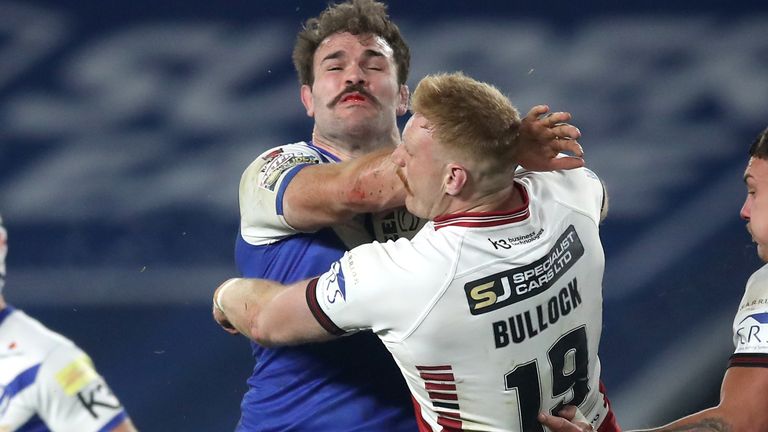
x: 469, y: 117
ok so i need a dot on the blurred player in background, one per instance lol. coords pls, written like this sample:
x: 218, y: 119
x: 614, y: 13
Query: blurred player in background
x: 301, y: 210
x: 46, y: 382
x: 494, y: 310
x: 744, y: 394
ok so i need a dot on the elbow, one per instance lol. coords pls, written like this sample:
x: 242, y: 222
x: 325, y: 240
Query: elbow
x: 260, y: 332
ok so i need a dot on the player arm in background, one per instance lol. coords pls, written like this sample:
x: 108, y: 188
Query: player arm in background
x: 325, y: 194
x: 267, y: 312
x: 76, y: 395
x: 743, y: 407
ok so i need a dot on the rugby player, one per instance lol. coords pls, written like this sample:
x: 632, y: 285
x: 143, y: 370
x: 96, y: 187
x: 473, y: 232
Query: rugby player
x: 493, y: 312
x: 47, y: 383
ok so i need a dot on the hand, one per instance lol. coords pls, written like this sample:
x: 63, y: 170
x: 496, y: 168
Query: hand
x: 544, y: 135
x: 221, y: 318
x: 570, y: 420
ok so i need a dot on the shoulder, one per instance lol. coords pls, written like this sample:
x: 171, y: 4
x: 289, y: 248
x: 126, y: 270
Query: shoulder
x: 757, y: 288
x: 33, y: 338
x: 269, y: 166
x: 579, y: 189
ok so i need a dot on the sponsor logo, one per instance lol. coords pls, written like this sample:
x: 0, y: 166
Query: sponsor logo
x: 278, y: 163
x: 76, y: 375
x: 394, y: 224
x: 752, y: 303
x: 334, y: 284
x: 511, y: 286
x: 753, y: 331
x: 507, y: 243
x: 98, y: 397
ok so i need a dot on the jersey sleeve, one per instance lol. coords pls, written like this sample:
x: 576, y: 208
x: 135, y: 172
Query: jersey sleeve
x: 579, y: 189
x: 370, y: 288
x: 750, y: 327
x: 262, y: 189
x: 72, y: 396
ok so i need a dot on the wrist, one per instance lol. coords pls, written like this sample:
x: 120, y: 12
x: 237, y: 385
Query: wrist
x: 217, y: 298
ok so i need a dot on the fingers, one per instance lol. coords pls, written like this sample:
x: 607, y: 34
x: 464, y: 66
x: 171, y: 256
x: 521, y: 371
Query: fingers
x: 555, y: 118
x: 568, y: 145
x: 566, y: 163
x: 568, y: 412
x: 557, y: 424
x: 537, y: 111
x: 565, y: 130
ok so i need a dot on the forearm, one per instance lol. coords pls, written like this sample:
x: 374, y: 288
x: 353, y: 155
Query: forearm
x: 709, y: 420
x: 243, y: 300
x: 269, y: 313
x: 326, y: 194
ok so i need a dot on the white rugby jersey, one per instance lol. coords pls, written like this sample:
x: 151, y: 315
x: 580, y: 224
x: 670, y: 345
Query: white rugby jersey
x: 491, y: 317
x: 262, y: 188
x: 750, y: 327
x: 48, y: 383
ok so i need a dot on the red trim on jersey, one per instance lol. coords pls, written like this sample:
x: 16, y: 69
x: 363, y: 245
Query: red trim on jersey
x: 318, y: 312
x: 442, y: 367
x: 449, y: 425
x: 440, y: 386
x: 438, y: 376
x: 748, y: 360
x: 420, y: 422
x: 609, y: 423
x: 487, y: 219
x: 443, y: 396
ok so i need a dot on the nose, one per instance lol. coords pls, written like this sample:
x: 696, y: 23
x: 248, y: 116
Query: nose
x: 355, y: 75
x: 397, y: 156
x: 746, y: 209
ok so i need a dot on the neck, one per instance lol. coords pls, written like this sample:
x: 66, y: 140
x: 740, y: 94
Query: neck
x: 350, y: 147
x: 3, y: 305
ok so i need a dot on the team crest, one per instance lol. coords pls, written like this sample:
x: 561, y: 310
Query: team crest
x: 278, y: 162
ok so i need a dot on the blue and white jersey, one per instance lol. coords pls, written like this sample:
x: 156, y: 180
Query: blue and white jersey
x: 345, y: 385
x: 49, y: 384
x: 750, y: 327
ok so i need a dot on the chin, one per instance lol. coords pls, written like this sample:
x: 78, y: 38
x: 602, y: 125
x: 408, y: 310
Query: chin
x: 762, y: 252
x: 411, y: 206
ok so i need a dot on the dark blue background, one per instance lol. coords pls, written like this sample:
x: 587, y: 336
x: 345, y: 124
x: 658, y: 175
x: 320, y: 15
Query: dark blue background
x: 126, y: 126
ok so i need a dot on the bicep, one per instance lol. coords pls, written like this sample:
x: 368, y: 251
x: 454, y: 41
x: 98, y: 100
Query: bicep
x: 743, y: 406
x: 743, y: 400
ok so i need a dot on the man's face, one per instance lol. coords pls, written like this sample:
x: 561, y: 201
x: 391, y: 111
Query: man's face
x: 755, y: 208
x: 422, y: 168
x: 355, y: 92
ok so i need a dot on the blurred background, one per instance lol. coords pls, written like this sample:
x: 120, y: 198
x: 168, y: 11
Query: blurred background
x: 126, y: 126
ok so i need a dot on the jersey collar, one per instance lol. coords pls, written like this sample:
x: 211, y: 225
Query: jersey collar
x: 332, y: 157
x: 487, y: 219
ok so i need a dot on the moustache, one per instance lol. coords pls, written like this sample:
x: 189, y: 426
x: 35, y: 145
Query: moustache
x: 354, y: 88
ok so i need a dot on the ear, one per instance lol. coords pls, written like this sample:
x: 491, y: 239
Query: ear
x: 456, y: 178
x: 402, y: 104
x: 306, y: 99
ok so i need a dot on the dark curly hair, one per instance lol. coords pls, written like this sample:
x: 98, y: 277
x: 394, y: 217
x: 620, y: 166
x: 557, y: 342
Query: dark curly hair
x: 356, y: 17
x: 759, y: 148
